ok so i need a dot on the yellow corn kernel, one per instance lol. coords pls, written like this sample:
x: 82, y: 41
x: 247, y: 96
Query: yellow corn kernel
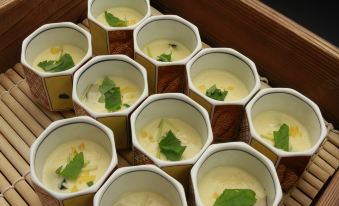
x: 202, y: 88
x: 74, y: 188
x: 230, y: 88
x: 55, y: 50
x: 82, y: 147
x: 131, y: 22
x: 143, y: 134
x: 294, y: 131
x: 215, y: 195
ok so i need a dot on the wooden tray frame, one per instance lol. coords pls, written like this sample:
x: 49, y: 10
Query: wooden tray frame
x: 21, y: 121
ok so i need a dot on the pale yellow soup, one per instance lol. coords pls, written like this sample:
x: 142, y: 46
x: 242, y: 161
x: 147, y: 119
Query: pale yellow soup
x: 212, y: 184
x: 129, y: 91
x: 96, y: 160
x: 158, y: 47
x: 267, y: 122
x: 124, y: 13
x: 150, y: 136
x: 54, y: 53
x: 223, y: 80
x: 142, y: 199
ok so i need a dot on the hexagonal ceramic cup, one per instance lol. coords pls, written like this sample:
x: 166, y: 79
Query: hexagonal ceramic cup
x: 166, y: 77
x: 99, y: 67
x: 114, y: 40
x: 240, y: 155
x: 225, y: 116
x: 53, y: 90
x: 288, y: 101
x: 60, y: 132
x: 177, y: 106
x: 145, y: 178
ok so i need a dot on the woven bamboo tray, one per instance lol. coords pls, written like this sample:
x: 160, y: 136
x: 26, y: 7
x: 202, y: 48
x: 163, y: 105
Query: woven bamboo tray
x: 22, y: 121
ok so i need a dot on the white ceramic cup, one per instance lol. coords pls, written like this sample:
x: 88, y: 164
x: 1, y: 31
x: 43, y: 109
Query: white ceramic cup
x: 53, y: 90
x: 176, y: 106
x: 166, y: 77
x: 146, y: 178
x: 226, y: 116
x: 240, y: 155
x: 60, y: 132
x: 99, y: 67
x: 301, y: 108
x: 114, y: 40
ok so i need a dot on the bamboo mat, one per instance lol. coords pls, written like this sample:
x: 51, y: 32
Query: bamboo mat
x: 21, y: 122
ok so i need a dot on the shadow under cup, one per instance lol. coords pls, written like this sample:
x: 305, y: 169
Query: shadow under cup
x: 166, y: 77
x: 62, y: 134
x: 140, y: 181
x: 226, y: 116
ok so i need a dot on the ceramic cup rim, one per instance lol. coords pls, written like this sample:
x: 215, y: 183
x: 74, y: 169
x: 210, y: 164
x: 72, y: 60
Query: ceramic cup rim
x: 109, y: 28
x: 178, y: 19
x: 226, y: 51
x: 97, y: 60
x: 121, y: 171
x: 45, y: 134
x: 230, y: 146
x: 295, y: 93
x: 46, y: 27
x: 173, y: 96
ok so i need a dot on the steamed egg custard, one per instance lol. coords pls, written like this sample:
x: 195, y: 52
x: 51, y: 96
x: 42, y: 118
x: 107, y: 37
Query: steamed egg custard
x: 58, y: 58
x: 74, y: 166
x: 282, y: 131
x: 220, y: 85
x: 111, y: 94
x: 229, y: 186
x: 142, y: 199
x: 120, y: 17
x: 165, y: 50
x: 170, y: 139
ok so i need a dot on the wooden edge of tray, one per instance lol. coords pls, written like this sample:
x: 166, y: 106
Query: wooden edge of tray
x: 21, y: 122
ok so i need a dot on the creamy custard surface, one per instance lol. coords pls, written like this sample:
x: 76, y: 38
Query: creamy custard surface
x: 132, y: 16
x: 142, y: 199
x: 96, y: 160
x: 212, y: 184
x: 150, y: 136
x: 54, y: 53
x: 165, y: 46
x: 269, y: 121
x: 129, y: 91
x: 236, y: 89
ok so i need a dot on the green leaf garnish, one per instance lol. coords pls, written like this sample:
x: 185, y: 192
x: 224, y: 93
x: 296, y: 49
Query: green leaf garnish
x: 126, y: 105
x: 90, y: 183
x: 236, y: 197
x: 106, y: 85
x: 73, y: 168
x: 171, y: 147
x: 215, y: 93
x: 110, y: 95
x: 281, y: 138
x: 113, y: 99
x: 65, y: 62
x: 115, y: 21
x: 165, y: 57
